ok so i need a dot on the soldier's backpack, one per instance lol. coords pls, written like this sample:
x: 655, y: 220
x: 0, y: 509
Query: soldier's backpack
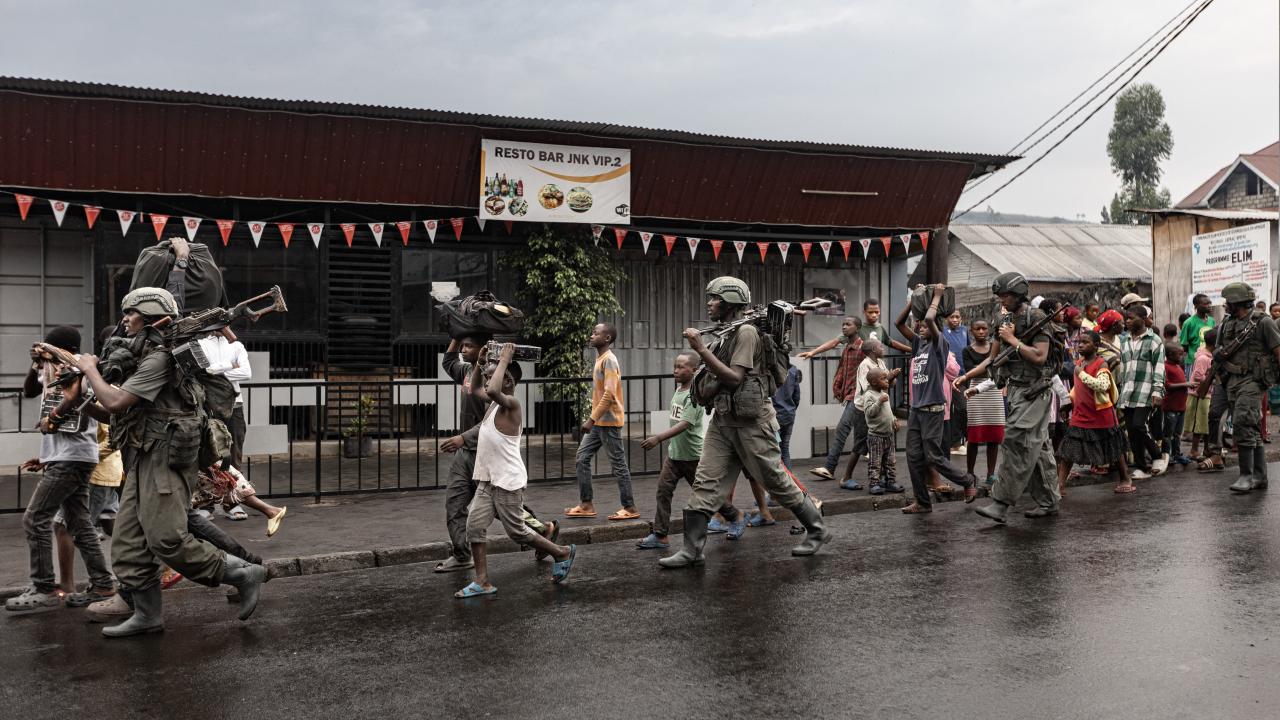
x: 204, y: 287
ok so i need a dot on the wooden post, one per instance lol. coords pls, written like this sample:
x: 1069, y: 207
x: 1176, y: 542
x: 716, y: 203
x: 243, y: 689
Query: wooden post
x: 937, y: 254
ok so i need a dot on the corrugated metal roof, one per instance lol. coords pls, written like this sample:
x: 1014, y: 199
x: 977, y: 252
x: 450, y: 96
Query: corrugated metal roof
x: 1062, y: 253
x: 1216, y: 214
x: 103, y: 144
x: 65, y: 88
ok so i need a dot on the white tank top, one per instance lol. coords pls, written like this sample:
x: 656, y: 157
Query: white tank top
x: 498, y: 458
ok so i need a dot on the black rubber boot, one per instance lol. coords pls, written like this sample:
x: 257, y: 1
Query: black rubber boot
x: 995, y: 511
x: 1259, y: 468
x: 248, y: 579
x: 146, y: 618
x: 817, y: 533
x: 695, y: 536
x: 1245, y: 482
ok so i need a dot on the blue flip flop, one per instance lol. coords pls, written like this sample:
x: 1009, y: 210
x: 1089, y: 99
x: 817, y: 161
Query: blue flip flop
x: 651, y: 542
x: 560, y: 569
x: 475, y: 589
x: 757, y: 520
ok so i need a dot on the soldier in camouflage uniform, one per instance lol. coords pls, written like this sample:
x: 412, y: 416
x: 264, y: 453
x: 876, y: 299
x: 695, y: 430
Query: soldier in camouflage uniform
x: 1026, y: 457
x: 743, y: 433
x: 159, y: 430
x: 1248, y: 350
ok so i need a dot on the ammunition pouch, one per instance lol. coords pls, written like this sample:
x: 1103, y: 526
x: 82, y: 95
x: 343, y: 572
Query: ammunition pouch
x: 184, y: 437
x: 215, y: 445
x: 747, y: 401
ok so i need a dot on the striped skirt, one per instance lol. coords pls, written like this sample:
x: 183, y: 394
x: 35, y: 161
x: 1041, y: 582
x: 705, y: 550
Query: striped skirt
x: 986, y: 416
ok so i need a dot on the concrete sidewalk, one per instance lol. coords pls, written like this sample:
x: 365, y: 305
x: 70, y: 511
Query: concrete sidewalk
x: 358, y: 531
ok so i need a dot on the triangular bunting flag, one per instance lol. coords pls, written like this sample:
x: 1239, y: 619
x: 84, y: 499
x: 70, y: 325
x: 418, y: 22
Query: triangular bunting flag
x: 739, y: 245
x: 620, y: 234
x: 480, y: 222
x: 126, y: 219
x: 783, y: 247
x: 317, y: 231
x: 805, y: 248
x: 924, y: 240
x: 595, y: 232
x: 764, y: 249
x: 826, y: 250
x: 404, y: 226
x: 255, y: 230
x: 192, y: 224
x: 91, y: 214
x: 644, y: 241
x: 348, y: 231
x: 844, y: 246
x: 670, y: 241
x: 286, y: 232
x: 59, y: 210
x: 431, y: 226
x: 224, y: 227
x: 693, y: 246
x: 866, y: 246
x: 715, y: 248
x: 906, y: 242
x: 457, y: 227
x: 376, y: 229
x: 158, y: 222
x: 24, y: 204
x: 510, y: 224
x: 887, y: 242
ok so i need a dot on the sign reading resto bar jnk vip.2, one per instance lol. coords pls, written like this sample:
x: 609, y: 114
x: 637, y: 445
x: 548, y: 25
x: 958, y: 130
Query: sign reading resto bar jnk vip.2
x: 554, y: 183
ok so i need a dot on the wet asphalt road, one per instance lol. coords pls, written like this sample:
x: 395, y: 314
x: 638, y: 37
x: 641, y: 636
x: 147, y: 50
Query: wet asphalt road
x: 1165, y: 604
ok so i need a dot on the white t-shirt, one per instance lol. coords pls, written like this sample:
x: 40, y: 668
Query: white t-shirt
x: 81, y: 446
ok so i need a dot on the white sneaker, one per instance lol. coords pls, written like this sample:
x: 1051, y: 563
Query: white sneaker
x: 1141, y: 475
x: 1160, y: 465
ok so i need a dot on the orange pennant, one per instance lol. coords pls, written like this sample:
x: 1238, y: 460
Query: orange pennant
x: 224, y: 227
x: 158, y: 222
x: 670, y: 240
x: 349, y: 231
x: 91, y: 214
x: 403, y: 226
x: 804, y: 249
x: 457, y: 227
x: 887, y: 242
x: 715, y: 248
x: 286, y: 232
x: 620, y: 234
x: 844, y: 246
x: 924, y: 240
x: 24, y: 204
x: 509, y: 224
x: 764, y: 249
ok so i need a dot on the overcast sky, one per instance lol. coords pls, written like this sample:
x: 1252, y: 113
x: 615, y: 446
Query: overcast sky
x: 966, y: 75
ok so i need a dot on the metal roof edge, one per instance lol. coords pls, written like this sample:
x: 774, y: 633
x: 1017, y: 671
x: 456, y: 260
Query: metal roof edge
x: 66, y: 88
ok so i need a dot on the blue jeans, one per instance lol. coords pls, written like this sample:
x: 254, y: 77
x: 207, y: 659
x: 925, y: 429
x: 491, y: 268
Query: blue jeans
x: 611, y: 438
x: 784, y: 440
x: 849, y: 422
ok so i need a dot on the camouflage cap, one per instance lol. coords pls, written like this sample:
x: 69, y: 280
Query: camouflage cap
x: 150, y: 301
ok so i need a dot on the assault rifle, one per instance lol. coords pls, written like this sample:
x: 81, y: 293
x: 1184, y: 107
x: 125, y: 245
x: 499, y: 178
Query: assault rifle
x: 774, y: 318
x: 1032, y: 330
x: 1222, y: 357
x: 204, y: 321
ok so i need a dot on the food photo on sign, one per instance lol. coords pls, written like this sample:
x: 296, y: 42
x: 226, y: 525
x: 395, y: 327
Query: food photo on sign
x: 554, y: 183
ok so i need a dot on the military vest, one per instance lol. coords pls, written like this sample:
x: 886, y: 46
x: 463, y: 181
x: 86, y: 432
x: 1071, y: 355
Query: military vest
x: 1017, y: 370
x: 751, y: 399
x: 1252, y: 360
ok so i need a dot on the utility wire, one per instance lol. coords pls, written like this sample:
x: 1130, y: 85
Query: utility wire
x: 1015, y: 149
x: 1159, y: 50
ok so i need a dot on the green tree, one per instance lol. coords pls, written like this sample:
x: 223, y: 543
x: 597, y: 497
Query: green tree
x: 566, y: 285
x: 1139, y: 140
x: 1106, y: 216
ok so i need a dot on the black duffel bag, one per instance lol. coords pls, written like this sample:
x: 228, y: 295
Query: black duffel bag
x: 480, y: 313
x: 921, y: 297
x: 203, y: 277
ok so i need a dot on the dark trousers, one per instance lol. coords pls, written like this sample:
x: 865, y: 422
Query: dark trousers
x: 65, y: 486
x: 850, y: 420
x: 926, y: 440
x: 457, y: 498
x: 1218, y: 406
x: 238, y: 429
x: 784, y: 440
x: 1173, y: 433
x: 673, y: 471
x: 1141, y: 444
x: 202, y: 528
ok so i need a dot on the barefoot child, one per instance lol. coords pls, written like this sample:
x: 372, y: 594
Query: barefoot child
x: 985, y: 416
x: 501, y: 476
x: 1094, y: 437
x: 881, y: 426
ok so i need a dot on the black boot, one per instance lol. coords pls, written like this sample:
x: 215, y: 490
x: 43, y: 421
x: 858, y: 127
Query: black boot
x: 995, y: 511
x: 818, y: 534
x: 1244, y: 483
x: 146, y: 618
x: 248, y: 579
x: 695, y: 536
x: 1259, y: 468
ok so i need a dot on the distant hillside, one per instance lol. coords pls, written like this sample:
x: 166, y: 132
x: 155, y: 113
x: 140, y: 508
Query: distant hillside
x: 998, y: 218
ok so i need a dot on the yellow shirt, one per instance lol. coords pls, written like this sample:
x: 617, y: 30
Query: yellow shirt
x: 109, y: 471
x: 606, y: 391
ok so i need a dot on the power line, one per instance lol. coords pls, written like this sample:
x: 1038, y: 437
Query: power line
x: 1014, y: 150
x: 1185, y: 24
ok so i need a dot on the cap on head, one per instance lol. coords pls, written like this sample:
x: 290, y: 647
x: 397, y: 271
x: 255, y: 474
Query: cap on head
x: 150, y: 301
x: 1132, y: 298
x: 1238, y: 292
x: 64, y: 337
x: 730, y: 289
x: 1010, y: 282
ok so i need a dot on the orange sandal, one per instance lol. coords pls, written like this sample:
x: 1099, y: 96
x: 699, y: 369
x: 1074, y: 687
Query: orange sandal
x: 624, y: 514
x: 577, y: 512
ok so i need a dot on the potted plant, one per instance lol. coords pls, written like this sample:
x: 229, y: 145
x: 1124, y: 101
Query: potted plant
x: 355, y: 442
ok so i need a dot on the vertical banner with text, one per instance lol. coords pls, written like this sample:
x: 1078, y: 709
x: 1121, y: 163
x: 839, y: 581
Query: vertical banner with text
x: 1238, y: 254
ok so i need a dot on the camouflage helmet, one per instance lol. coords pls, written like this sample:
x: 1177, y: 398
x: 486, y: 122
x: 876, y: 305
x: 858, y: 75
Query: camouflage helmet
x: 150, y: 301
x: 1238, y: 292
x: 1010, y: 282
x: 731, y: 289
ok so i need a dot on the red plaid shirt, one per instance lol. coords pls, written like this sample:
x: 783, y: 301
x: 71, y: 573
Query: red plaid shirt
x: 845, y: 384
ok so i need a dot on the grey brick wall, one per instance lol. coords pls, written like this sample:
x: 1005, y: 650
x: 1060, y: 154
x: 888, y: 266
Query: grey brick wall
x: 1233, y: 195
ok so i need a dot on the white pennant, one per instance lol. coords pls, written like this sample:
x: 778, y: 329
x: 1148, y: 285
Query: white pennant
x: 316, y: 230
x: 126, y: 219
x: 826, y: 250
x: 644, y: 241
x: 59, y: 210
x: 739, y: 245
x: 693, y: 245
x: 906, y: 241
x: 783, y: 247
x: 192, y: 224
x: 480, y: 222
x: 376, y: 229
x: 866, y: 247
x: 255, y: 229
x: 431, y: 227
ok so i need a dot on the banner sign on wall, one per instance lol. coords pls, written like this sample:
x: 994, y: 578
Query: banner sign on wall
x: 554, y: 183
x: 1239, y: 254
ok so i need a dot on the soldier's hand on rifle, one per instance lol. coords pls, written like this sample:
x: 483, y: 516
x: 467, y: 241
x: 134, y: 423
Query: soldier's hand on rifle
x: 650, y: 442
x: 453, y: 444
x: 86, y: 362
x: 1007, y: 336
x: 694, y: 338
